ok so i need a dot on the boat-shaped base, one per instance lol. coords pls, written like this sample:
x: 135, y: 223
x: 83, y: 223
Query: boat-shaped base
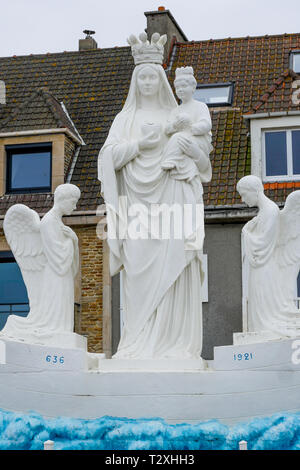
x: 56, y: 382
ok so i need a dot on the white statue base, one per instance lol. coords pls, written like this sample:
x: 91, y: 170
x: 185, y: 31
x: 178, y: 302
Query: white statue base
x: 253, y: 337
x: 60, y: 340
x: 258, y: 353
x: 166, y: 365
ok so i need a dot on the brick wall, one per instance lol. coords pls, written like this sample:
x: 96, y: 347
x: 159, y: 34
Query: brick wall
x: 90, y: 284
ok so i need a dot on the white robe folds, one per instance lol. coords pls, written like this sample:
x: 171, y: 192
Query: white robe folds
x: 161, y: 279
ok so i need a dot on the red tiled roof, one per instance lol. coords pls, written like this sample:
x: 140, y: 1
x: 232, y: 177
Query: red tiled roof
x: 278, y: 97
x: 93, y: 85
x: 259, y: 69
x: 41, y: 110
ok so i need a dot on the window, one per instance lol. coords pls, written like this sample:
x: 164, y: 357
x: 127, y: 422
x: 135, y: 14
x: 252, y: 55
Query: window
x: 298, y: 286
x: 2, y: 92
x: 282, y: 154
x: 29, y: 168
x: 295, y: 61
x: 13, y: 293
x: 215, y: 94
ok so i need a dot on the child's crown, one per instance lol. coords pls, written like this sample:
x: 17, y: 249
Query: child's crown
x: 182, y: 72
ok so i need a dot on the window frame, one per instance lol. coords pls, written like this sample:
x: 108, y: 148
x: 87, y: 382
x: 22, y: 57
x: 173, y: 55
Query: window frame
x: 218, y: 85
x: 258, y: 124
x: 289, y: 155
x: 8, y: 257
x: 14, y: 149
x: 292, y: 54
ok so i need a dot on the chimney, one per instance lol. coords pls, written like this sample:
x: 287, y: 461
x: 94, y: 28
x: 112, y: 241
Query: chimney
x: 89, y: 43
x: 163, y: 22
x: 2, y: 92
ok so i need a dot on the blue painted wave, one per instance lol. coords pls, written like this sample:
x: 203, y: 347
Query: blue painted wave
x: 29, y: 432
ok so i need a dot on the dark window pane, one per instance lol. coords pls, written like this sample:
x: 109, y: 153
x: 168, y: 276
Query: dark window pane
x: 276, y: 157
x: 30, y: 170
x: 298, y: 285
x: 12, y: 287
x: 213, y: 95
x: 296, y: 152
x: 296, y: 63
x: 13, y: 293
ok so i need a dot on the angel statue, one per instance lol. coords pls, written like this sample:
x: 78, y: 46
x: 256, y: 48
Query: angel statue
x: 47, y: 253
x: 271, y: 247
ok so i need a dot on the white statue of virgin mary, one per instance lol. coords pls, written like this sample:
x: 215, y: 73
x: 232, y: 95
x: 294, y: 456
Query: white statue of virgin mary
x: 161, y: 278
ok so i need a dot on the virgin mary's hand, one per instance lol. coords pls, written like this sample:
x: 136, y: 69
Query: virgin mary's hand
x: 189, y: 148
x: 150, y: 141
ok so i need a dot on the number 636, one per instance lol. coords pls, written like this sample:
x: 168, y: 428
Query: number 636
x: 55, y: 359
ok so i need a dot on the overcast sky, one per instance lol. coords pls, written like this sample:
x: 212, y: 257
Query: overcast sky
x: 39, y: 26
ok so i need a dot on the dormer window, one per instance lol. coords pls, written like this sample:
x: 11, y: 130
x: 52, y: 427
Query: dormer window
x: 295, y: 61
x: 29, y: 168
x: 216, y: 94
x: 281, y: 151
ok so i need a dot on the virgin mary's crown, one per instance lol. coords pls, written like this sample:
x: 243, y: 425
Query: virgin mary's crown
x: 146, y: 52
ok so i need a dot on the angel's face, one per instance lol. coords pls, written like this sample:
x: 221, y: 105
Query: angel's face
x: 248, y: 196
x: 68, y: 205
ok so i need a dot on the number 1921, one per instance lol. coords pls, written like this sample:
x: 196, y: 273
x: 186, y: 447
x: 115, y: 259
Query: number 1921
x: 243, y: 357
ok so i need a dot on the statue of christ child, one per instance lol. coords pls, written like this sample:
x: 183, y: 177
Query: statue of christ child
x: 189, y: 122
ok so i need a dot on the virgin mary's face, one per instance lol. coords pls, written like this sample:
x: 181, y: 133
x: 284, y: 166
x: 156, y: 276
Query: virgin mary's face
x: 148, y: 81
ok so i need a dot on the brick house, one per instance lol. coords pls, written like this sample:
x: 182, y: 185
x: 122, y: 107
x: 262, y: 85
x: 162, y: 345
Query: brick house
x: 60, y: 106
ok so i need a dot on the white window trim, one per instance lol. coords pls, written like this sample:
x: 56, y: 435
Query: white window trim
x: 289, y: 153
x: 257, y: 129
x: 2, y: 92
x: 292, y: 62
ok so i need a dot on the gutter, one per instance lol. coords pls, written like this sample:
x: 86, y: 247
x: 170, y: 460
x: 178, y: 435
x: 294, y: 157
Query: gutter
x: 69, y: 117
x: 272, y: 114
x: 60, y: 130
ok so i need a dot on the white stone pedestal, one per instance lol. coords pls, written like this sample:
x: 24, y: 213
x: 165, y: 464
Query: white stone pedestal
x: 252, y: 337
x: 167, y: 365
x: 44, y: 358
x: 279, y: 354
x: 60, y: 340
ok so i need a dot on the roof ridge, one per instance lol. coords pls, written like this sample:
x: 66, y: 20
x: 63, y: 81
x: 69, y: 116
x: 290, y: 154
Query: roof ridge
x: 63, y: 53
x: 48, y: 99
x: 263, y: 36
x: 264, y: 98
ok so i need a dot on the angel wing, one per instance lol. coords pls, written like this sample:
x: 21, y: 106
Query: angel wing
x: 288, y: 244
x: 22, y: 230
